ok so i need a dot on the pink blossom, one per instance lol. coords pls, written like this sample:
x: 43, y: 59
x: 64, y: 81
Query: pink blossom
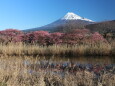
x: 97, y: 37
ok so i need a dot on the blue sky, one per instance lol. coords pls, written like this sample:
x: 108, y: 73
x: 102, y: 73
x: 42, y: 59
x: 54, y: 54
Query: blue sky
x: 25, y: 14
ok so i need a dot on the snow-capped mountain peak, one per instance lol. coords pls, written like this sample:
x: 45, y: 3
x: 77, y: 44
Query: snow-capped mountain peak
x: 73, y: 16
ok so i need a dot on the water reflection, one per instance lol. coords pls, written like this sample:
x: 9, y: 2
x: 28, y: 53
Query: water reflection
x: 98, y: 66
x: 60, y: 65
x: 82, y: 60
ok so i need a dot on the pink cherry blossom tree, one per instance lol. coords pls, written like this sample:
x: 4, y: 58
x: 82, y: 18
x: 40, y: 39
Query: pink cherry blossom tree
x: 55, y: 38
x: 9, y: 35
x: 96, y: 37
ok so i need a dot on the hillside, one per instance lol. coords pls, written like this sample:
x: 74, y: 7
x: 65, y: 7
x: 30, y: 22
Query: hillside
x: 102, y: 27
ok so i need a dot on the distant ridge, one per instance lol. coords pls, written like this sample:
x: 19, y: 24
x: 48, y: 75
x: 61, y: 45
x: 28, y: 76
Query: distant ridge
x: 102, y: 27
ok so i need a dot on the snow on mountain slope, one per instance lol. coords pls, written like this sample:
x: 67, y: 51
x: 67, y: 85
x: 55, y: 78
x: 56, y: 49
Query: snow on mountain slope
x: 72, y: 16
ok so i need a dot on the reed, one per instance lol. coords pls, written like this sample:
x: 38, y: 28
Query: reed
x: 17, y: 49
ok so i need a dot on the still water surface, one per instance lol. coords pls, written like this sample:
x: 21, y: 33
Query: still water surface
x: 81, y: 60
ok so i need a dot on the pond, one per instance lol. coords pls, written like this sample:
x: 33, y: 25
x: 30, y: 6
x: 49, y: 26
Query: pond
x: 60, y: 65
x: 92, y: 60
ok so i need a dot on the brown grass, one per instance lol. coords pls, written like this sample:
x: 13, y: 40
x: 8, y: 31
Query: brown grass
x: 100, y: 49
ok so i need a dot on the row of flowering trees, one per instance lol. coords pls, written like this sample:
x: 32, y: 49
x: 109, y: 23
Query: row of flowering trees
x: 78, y: 36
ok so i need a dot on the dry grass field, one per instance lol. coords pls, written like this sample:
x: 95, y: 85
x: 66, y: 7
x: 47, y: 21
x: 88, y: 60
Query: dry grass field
x: 99, y: 49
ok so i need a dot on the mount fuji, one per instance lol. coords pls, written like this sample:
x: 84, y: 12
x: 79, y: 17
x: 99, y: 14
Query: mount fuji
x: 65, y: 24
